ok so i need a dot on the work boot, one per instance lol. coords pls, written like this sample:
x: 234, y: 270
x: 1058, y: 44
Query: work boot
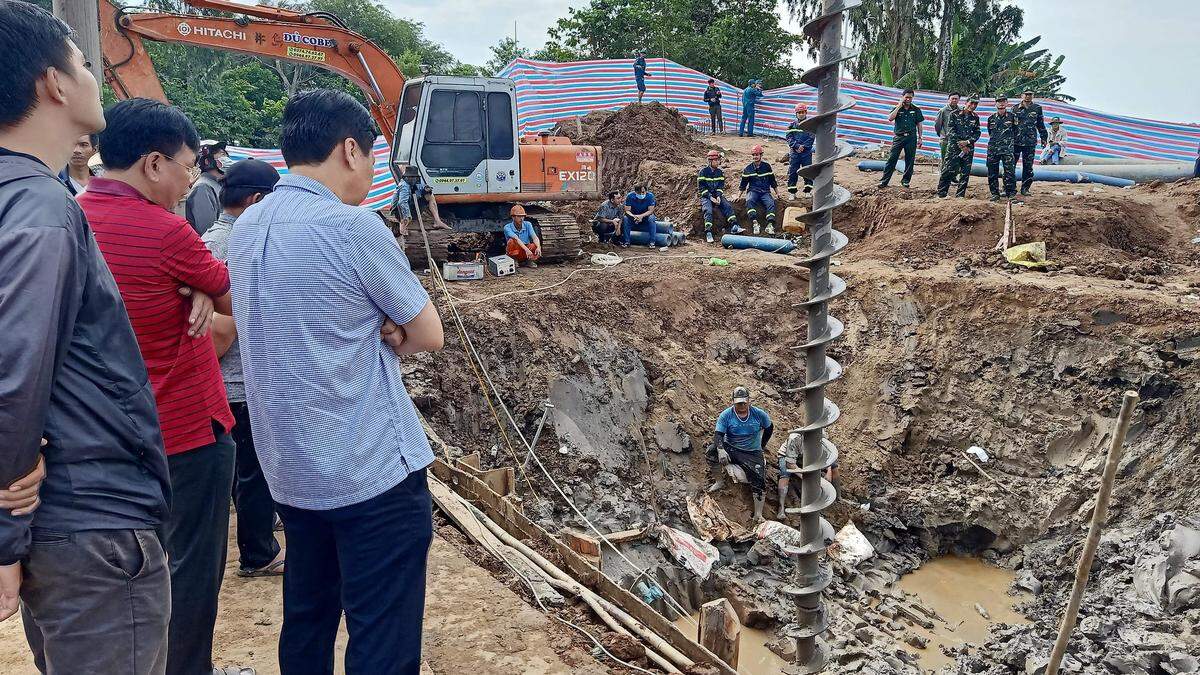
x: 941, y: 195
x: 994, y: 198
x: 756, y: 229
x: 736, y: 229
x: 882, y: 185
x: 717, y: 485
x: 807, y: 189
x: 770, y: 228
x: 903, y: 183
x: 708, y: 237
x: 1024, y: 192
x: 758, y: 507
x: 791, y: 193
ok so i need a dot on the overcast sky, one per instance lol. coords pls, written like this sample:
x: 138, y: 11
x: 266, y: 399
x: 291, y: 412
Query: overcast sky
x: 1133, y: 57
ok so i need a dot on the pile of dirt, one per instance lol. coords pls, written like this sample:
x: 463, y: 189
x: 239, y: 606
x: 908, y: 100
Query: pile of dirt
x: 1094, y: 234
x: 642, y: 130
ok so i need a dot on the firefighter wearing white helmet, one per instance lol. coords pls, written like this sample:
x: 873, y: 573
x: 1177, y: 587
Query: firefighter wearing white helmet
x: 742, y: 432
x: 711, y: 184
x: 521, y: 241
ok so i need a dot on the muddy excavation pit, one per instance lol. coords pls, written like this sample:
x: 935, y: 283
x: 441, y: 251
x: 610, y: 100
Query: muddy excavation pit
x: 946, y: 347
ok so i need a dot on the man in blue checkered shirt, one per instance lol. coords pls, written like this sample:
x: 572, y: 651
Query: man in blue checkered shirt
x: 316, y: 281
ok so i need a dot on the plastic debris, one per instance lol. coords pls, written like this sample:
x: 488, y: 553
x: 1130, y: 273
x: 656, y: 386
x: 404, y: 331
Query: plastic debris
x: 850, y: 547
x: 695, y: 555
x: 978, y: 452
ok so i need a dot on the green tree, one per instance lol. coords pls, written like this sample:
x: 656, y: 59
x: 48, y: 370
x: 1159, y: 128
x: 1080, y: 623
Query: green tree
x: 973, y: 46
x: 503, y: 52
x: 735, y: 40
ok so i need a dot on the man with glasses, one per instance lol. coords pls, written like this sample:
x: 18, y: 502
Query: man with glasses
x: 171, y: 284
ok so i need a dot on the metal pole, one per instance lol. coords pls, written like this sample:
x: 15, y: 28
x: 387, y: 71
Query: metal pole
x: 813, y: 573
x: 1099, y: 514
x: 83, y: 16
x: 546, y: 408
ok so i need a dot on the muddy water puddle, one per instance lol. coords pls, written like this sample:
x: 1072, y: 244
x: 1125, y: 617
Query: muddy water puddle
x: 753, y: 656
x: 952, y: 586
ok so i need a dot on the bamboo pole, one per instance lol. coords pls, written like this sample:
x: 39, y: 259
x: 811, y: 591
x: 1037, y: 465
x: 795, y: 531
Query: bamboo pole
x: 1099, y: 514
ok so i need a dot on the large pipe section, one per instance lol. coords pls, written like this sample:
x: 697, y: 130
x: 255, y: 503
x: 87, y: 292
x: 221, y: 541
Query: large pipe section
x: 1045, y: 174
x: 813, y: 573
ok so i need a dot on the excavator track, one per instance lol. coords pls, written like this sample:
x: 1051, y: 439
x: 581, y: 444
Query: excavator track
x: 414, y: 247
x: 560, y: 235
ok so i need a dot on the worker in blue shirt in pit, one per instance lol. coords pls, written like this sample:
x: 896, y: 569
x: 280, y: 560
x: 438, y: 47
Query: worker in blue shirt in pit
x: 742, y: 432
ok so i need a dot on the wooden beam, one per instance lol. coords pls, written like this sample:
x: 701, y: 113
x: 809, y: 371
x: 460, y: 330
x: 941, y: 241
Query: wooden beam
x: 471, y: 460
x: 720, y: 630
x: 581, y: 543
x: 502, y: 512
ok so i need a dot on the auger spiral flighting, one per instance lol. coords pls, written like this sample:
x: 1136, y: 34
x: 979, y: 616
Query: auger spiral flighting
x: 813, y: 573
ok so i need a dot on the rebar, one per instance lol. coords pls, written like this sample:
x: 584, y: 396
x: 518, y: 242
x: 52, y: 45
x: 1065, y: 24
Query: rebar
x: 813, y: 573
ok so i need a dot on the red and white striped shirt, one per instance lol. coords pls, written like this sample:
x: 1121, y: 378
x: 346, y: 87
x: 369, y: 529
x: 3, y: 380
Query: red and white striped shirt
x: 152, y: 253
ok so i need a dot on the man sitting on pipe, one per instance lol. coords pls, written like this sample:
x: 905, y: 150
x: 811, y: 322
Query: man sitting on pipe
x: 521, y: 241
x: 711, y: 184
x: 639, y: 214
x: 758, y: 182
x: 742, y: 432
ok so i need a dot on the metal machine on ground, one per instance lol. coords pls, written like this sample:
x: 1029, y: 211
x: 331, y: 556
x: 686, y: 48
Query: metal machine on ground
x: 459, y: 135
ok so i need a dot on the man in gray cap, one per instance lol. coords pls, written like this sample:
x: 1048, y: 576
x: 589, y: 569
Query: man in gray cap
x: 742, y: 432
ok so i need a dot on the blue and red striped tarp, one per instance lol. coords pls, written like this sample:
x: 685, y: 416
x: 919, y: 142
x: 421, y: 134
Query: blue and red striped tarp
x: 548, y: 92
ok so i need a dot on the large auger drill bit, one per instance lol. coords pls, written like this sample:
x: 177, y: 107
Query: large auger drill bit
x: 813, y: 573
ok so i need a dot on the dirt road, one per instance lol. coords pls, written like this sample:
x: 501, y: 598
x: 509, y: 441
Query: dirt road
x: 473, y: 624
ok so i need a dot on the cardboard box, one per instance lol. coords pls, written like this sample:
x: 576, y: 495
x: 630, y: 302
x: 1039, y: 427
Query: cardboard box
x: 462, y: 271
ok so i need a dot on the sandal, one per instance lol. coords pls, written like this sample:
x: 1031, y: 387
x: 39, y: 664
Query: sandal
x: 234, y: 670
x: 272, y: 569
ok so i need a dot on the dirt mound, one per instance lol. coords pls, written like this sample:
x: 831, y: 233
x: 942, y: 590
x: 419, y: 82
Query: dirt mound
x: 1094, y: 233
x: 648, y: 131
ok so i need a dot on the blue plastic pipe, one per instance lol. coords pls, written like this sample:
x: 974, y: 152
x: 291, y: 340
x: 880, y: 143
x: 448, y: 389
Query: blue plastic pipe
x: 1046, y: 174
x: 643, y: 238
x: 768, y: 244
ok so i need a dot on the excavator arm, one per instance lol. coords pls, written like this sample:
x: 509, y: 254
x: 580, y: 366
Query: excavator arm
x: 312, y: 40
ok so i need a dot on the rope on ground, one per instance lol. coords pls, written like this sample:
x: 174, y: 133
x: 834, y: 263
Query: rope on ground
x: 473, y: 353
x: 441, y: 283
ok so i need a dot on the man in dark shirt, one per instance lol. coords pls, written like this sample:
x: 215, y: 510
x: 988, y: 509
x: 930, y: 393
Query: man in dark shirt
x: 959, y: 135
x: 90, y: 567
x: 712, y: 96
x: 1031, y: 133
x: 907, y: 119
x: 1002, y: 133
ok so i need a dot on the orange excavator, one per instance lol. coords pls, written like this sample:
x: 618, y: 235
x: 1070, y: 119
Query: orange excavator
x: 457, y: 134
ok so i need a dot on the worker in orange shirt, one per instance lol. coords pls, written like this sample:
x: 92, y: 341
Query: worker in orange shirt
x: 521, y: 241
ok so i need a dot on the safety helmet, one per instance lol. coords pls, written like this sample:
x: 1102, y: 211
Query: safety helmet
x: 741, y: 395
x: 713, y: 154
x: 516, y: 210
x: 206, y: 159
x: 802, y: 108
x: 756, y: 150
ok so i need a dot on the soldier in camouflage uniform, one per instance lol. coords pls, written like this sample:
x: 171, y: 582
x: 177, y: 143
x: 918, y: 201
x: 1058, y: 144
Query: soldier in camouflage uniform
x: 961, y: 132
x: 1031, y: 133
x: 907, y: 119
x: 1002, y: 133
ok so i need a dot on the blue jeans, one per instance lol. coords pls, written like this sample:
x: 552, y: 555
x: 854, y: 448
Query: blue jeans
x: 760, y: 200
x: 746, y: 126
x: 367, y: 559
x: 648, y: 224
x: 1053, y: 154
x: 706, y: 207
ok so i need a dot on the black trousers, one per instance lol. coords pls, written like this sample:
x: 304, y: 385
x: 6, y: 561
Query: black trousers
x: 1024, y: 154
x: 368, y: 560
x: 716, y: 118
x: 197, y: 534
x: 605, y: 231
x: 907, y: 144
x: 754, y: 463
x: 251, y: 498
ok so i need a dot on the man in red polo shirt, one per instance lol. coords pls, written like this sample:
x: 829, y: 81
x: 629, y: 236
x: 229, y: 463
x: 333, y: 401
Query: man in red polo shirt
x: 149, y: 152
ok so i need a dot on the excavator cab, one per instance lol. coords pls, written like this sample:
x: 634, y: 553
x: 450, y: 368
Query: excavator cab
x: 459, y: 134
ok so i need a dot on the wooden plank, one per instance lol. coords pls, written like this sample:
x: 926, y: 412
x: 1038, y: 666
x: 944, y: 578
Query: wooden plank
x: 504, y: 514
x: 471, y: 460
x: 720, y: 630
x: 581, y: 543
x: 625, y: 536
